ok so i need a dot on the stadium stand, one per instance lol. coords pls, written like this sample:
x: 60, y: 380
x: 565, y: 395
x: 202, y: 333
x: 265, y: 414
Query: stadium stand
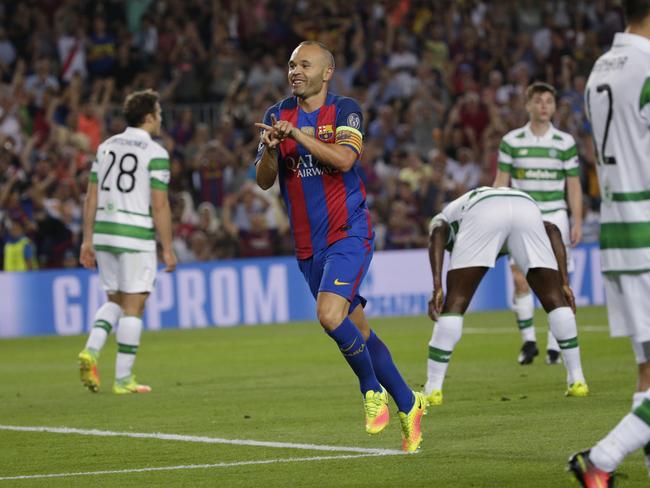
x: 440, y: 83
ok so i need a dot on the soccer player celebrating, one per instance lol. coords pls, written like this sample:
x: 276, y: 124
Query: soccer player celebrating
x: 313, y: 140
x: 475, y: 228
x: 618, y: 106
x: 125, y: 203
x: 540, y: 160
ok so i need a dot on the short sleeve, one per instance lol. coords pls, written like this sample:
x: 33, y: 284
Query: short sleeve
x: 570, y: 159
x: 95, y: 166
x: 159, y: 172
x: 349, y: 125
x: 505, y: 156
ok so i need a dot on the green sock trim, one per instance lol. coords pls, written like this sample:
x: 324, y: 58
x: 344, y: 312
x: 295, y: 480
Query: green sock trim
x: 102, y: 324
x: 126, y: 349
x: 568, y: 343
x: 524, y: 324
x: 439, y: 355
x: 643, y: 411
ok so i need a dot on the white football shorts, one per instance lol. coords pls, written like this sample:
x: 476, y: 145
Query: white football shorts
x: 495, y: 221
x: 128, y: 272
x: 561, y: 220
x: 628, y: 307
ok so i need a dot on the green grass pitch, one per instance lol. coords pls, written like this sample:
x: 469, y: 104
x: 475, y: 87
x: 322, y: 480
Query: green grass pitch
x: 502, y: 425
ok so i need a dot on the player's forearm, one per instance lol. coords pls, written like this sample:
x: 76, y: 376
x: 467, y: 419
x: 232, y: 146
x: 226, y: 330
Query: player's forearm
x: 574, y: 196
x: 90, y: 212
x: 267, y: 169
x: 334, y: 155
x: 437, y: 241
x: 162, y: 221
x: 502, y: 179
x: 555, y: 236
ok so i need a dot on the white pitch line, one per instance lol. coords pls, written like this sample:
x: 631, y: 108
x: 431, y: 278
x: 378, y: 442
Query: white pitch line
x: 192, y: 466
x: 202, y: 439
x: 513, y: 329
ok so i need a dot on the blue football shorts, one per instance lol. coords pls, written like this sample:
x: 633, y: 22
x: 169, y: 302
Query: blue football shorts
x: 340, y: 268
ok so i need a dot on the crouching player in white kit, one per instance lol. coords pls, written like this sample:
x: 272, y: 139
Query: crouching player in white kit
x: 126, y: 200
x: 475, y: 228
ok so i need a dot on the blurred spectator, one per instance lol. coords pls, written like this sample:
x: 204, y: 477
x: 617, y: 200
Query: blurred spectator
x: 102, y: 49
x: 19, y: 253
x: 7, y: 52
x: 40, y: 81
x: 465, y: 173
x: 402, y: 231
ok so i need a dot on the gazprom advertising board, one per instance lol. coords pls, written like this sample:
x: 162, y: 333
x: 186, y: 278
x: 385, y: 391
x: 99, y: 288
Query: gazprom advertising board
x: 249, y: 292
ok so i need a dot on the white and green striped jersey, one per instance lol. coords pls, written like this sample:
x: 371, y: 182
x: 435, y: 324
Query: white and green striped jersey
x: 128, y: 166
x: 618, y: 105
x: 539, y: 165
x: 454, y: 211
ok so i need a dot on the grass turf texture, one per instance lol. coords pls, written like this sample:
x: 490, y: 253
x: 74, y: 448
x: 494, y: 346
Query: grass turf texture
x: 501, y: 424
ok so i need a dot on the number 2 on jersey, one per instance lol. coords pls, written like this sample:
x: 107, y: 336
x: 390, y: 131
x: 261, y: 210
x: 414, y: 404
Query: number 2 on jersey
x: 600, y: 152
x: 124, y: 173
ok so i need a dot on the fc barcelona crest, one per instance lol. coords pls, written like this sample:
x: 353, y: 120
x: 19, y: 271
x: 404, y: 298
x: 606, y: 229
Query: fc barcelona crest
x: 325, y: 132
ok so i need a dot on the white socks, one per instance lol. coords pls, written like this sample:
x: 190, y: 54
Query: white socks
x: 631, y: 433
x: 551, y: 342
x: 562, y: 323
x: 128, y: 340
x: 524, y: 307
x: 446, y: 333
x: 105, y: 319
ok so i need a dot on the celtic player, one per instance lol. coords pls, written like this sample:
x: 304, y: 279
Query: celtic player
x: 618, y: 105
x: 475, y: 228
x: 125, y: 203
x: 541, y: 160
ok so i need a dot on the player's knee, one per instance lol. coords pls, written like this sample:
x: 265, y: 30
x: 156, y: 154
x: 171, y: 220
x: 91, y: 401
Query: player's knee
x: 551, y: 300
x: 329, y: 315
x: 456, y: 303
x: 644, y: 375
x: 521, y: 285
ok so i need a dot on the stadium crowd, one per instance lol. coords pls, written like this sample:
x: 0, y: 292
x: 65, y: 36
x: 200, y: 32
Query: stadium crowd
x: 440, y: 83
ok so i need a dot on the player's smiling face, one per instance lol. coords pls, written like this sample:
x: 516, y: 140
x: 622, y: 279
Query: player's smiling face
x: 541, y: 107
x: 307, y: 71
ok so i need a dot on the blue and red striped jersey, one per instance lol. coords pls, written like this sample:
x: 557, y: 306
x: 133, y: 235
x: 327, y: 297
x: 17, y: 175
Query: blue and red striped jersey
x: 324, y: 204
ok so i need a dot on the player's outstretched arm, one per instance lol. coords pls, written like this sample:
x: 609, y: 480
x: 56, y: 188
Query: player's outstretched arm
x: 87, y: 254
x: 162, y: 219
x: 437, y: 241
x: 559, y: 250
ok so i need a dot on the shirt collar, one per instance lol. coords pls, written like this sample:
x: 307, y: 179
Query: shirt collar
x: 136, y: 131
x: 546, y: 137
x: 622, y: 39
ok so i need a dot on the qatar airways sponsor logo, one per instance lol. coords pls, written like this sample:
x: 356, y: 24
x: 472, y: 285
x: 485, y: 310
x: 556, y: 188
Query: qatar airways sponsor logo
x: 307, y: 166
